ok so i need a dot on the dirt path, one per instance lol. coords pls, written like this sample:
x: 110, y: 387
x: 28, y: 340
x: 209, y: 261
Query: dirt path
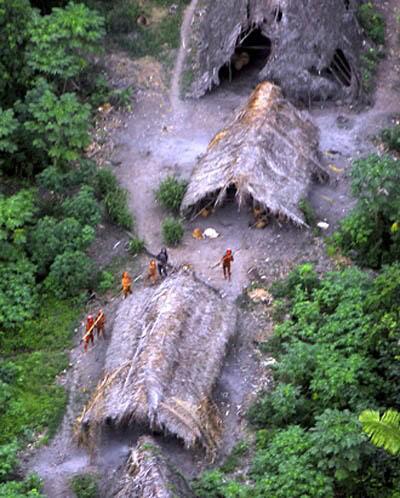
x: 177, y: 73
x: 165, y: 136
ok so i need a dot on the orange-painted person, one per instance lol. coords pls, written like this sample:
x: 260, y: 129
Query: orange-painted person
x: 100, y: 324
x: 226, y: 261
x: 89, y: 337
x: 153, y: 271
x: 126, y: 284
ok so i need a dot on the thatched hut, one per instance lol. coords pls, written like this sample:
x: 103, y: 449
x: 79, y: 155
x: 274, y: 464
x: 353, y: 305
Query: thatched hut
x: 310, y: 48
x: 267, y: 155
x: 167, y: 348
x: 149, y: 475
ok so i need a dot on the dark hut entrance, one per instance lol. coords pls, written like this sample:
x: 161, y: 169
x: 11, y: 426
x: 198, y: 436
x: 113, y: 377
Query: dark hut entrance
x: 251, y: 54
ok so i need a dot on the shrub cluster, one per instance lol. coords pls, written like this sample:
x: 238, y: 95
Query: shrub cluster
x: 170, y: 193
x: 336, y: 355
x: 370, y: 234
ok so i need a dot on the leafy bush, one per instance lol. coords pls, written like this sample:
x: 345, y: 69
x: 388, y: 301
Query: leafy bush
x: 83, y: 206
x: 283, y: 406
x: 116, y: 204
x: 60, y: 43
x: 390, y: 136
x: 70, y: 273
x: 172, y: 231
x: 29, y: 488
x: 170, y: 193
x: 85, y: 486
x: 308, y: 212
x: 136, y: 246
x: 51, y: 238
x: 287, y: 468
x: 369, y: 64
x: 8, y: 125
x: 121, y: 18
x: 59, y: 181
x: 372, y: 22
x: 106, y: 281
x: 59, y: 125
x: 18, y: 293
x: 339, y: 446
x: 115, y: 198
x: 369, y: 234
x: 303, y: 277
x: 8, y: 459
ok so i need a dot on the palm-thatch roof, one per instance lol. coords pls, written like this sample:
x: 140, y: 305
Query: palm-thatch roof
x: 269, y: 153
x: 149, y: 475
x: 167, y: 348
x: 315, y: 46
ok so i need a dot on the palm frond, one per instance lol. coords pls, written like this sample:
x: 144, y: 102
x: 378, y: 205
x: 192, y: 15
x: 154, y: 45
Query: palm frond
x: 384, y: 431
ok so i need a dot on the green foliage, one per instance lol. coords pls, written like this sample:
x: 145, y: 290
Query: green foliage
x: 59, y: 125
x: 8, y: 125
x: 121, y: 17
x: 390, y: 136
x: 368, y: 234
x: 235, y: 457
x: 8, y: 459
x: 83, y: 206
x: 122, y: 98
x: 303, y: 277
x: 61, y: 42
x: 287, y: 468
x: 29, y: 488
x: 85, y: 486
x: 338, y: 445
x: 15, y: 20
x: 16, y: 213
x: 106, y: 281
x: 115, y: 198
x: 282, y: 406
x: 18, y: 293
x: 51, y: 238
x: 369, y: 61
x: 59, y: 182
x: 136, y: 246
x: 384, y: 431
x: 172, y: 231
x: 372, y: 22
x: 170, y: 193
x: 70, y: 273
x: 308, y: 212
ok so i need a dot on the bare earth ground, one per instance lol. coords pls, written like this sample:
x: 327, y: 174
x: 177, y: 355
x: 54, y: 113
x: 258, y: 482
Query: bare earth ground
x: 164, y: 136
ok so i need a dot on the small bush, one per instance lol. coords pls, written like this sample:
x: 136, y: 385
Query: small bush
x: 122, y: 98
x: 70, y: 273
x: 303, y: 277
x: 372, y: 22
x: 85, y: 486
x: 391, y: 137
x: 8, y: 459
x: 115, y: 198
x: 83, y: 207
x: 106, y: 281
x: 308, y: 212
x: 136, y: 246
x: 170, y: 193
x: 172, y: 231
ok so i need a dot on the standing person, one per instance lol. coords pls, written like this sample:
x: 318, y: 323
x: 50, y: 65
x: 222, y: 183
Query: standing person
x: 226, y: 261
x: 126, y: 284
x: 153, y: 271
x: 162, y: 258
x: 89, y: 332
x: 100, y: 324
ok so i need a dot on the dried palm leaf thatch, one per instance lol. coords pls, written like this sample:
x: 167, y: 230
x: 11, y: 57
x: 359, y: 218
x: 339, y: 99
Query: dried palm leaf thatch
x: 166, y: 352
x: 268, y: 153
x: 149, y: 475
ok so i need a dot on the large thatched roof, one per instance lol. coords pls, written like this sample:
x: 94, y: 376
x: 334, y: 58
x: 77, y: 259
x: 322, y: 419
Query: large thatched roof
x: 149, y: 475
x: 167, y: 348
x: 315, y: 45
x: 269, y: 152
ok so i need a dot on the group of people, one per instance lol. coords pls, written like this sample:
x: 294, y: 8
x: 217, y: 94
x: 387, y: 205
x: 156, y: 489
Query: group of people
x: 93, y: 324
x: 157, y: 267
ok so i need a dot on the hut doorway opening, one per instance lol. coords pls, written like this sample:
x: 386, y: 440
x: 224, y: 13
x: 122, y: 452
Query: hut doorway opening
x: 251, y: 54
